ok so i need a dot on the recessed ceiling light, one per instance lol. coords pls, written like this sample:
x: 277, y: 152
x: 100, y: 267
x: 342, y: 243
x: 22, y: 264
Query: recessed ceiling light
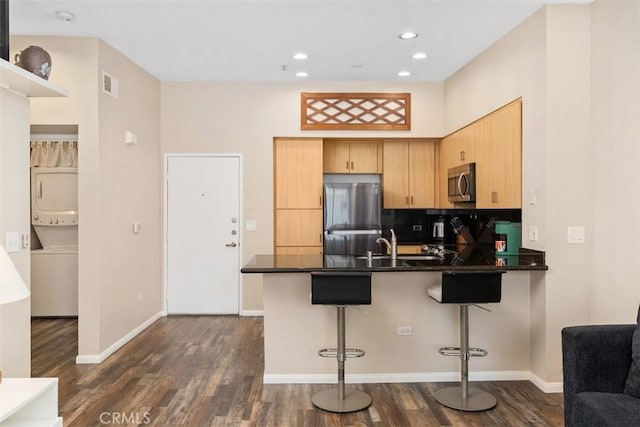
x: 404, y: 73
x: 408, y: 35
x: 63, y: 15
x: 419, y: 55
x: 302, y: 74
x: 300, y: 55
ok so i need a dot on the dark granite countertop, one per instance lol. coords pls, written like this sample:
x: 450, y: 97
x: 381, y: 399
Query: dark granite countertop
x: 475, y: 257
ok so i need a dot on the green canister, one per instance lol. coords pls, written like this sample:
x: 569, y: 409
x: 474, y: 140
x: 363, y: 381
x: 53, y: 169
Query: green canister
x: 513, y: 231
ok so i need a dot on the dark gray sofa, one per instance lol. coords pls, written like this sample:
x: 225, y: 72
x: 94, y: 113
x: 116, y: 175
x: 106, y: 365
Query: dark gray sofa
x: 596, y: 360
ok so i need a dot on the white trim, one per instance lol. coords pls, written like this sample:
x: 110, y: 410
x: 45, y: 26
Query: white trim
x: 403, y: 377
x: 165, y: 222
x: 545, y: 386
x: 252, y: 313
x: 99, y: 358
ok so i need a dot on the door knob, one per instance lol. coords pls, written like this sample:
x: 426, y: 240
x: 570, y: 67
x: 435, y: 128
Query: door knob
x: 232, y: 244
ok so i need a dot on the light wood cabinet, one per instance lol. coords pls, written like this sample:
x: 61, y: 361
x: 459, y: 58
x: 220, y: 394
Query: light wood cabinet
x: 298, y: 173
x: 408, y: 175
x: 298, y: 194
x: 499, y: 164
x: 409, y: 249
x: 298, y: 227
x: 494, y: 144
x: 344, y: 156
x: 299, y: 250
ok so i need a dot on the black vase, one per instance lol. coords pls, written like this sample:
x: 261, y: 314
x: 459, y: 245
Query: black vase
x: 35, y: 60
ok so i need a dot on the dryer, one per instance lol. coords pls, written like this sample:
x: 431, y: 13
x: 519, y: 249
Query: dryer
x: 54, y: 216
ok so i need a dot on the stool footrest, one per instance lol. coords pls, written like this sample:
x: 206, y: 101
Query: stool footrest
x: 349, y: 352
x: 455, y: 351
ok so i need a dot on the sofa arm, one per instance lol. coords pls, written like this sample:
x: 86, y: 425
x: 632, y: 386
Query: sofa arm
x: 594, y: 358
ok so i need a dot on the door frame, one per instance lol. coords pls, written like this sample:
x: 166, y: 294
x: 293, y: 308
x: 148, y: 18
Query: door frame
x: 165, y: 231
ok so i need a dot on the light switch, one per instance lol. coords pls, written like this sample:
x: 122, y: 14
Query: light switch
x: 137, y: 227
x: 130, y: 137
x: 533, y: 199
x: 13, y: 241
x: 533, y: 233
x: 575, y: 234
x: 251, y: 225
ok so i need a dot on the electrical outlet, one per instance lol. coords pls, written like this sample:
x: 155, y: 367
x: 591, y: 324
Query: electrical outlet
x: 405, y: 330
x: 533, y: 233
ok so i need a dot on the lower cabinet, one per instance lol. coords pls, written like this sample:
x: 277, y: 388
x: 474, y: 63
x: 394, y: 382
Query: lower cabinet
x: 296, y: 229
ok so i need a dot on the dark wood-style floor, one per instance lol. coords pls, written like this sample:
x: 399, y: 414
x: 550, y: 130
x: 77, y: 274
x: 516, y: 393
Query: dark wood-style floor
x: 207, y: 370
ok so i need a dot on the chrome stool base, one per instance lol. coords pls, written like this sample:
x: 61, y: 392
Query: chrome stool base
x: 476, y: 400
x: 329, y: 400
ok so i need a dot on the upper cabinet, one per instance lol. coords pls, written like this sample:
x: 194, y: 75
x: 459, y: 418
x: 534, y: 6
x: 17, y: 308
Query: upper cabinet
x: 408, y: 176
x: 499, y: 164
x: 298, y: 173
x: 351, y: 156
x: 494, y: 144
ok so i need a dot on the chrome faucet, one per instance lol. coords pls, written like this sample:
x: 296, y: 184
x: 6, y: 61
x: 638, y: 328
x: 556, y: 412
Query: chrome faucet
x: 393, y: 246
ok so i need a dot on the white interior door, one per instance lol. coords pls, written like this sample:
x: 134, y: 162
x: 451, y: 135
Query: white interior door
x: 203, y: 234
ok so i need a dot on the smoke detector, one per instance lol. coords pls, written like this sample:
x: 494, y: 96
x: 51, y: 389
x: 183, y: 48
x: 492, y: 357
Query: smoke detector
x: 63, y: 15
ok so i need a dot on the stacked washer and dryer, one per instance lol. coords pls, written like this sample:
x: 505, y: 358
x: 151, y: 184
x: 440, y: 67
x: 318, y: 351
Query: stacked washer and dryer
x: 54, y: 217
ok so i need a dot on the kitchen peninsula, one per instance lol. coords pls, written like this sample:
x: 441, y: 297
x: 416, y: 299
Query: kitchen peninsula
x: 294, y: 330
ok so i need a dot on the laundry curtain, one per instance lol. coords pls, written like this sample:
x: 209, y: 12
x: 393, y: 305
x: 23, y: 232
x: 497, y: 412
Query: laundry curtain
x: 54, y: 154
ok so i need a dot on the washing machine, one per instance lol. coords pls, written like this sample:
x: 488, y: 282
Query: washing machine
x: 54, y: 265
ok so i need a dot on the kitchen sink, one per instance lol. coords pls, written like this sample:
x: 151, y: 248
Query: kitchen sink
x: 419, y: 257
x: 404, y: 257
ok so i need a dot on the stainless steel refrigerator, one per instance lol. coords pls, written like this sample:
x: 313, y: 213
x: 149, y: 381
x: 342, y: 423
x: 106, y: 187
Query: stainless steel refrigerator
x: 352, y: 218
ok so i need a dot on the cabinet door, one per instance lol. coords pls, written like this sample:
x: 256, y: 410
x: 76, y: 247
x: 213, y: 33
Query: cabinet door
x: 336, y: 157
x: 421, y: 175
x: 363, y: 157
x: 501, y: 187
x: 448, y: 156
x: 395, y: 177
x: 298, y: 227
x: 298, y: 173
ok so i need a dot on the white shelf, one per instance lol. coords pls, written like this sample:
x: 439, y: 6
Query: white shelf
x: 28, y: 84
x: 29, y: 402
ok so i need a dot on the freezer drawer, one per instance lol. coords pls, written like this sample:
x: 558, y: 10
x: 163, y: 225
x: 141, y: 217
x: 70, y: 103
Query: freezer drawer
x: 351, y: 243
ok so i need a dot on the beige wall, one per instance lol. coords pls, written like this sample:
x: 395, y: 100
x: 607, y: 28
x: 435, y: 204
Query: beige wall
x: 560, y: 62
x: 118, y: 184
x: 15, y: 337
x: 244, y: 118
x: 615, y: 156
x: 130, y: 185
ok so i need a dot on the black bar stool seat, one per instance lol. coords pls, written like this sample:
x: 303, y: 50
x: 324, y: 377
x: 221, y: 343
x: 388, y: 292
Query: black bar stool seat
x: 341, y: 289
x: 466, y: 288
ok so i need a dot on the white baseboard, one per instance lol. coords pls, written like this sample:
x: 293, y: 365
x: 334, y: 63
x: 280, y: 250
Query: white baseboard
x: 404, y: 377
x: 99, y: 358
x: 252, y: 313
x: 545, y: 386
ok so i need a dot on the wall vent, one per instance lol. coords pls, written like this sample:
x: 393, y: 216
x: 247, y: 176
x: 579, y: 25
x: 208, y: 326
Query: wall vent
x: 110, y: 85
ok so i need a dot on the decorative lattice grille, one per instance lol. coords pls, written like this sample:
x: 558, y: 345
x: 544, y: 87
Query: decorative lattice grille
x: 351, y: 111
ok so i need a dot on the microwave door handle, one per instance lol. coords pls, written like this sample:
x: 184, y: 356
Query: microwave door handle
x: 460, y: 178
x: 39, y: 189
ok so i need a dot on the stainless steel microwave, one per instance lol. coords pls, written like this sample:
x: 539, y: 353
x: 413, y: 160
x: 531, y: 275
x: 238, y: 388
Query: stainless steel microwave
x: 461, y: 183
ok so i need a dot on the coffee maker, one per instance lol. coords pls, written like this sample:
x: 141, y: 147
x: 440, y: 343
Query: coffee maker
x: 440, y: 232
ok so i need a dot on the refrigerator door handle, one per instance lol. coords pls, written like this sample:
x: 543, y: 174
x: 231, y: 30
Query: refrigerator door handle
x: 348, y: 232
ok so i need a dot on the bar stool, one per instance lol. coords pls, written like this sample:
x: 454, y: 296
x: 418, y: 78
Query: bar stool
x: 341, y: 289
x: 465, y: 289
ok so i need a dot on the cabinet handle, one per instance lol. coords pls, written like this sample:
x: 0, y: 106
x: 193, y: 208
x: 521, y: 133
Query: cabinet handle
x: 320, y: 235
x: 347, y: 164
x: 351, y: 165
x: 406, y: 200
x: 412, y: 200
x: 494, y: 197
x: 462, y: 155
x: 320, y: 201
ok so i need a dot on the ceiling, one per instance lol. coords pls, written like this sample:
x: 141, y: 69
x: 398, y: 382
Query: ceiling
x: 254, y: 40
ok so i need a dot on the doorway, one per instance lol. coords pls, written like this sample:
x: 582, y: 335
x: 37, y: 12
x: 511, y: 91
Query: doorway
x: 202, y: 233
